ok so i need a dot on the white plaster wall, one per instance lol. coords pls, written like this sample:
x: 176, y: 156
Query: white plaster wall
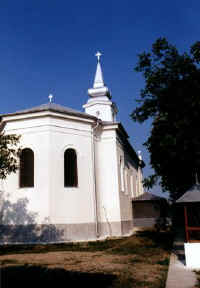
x: 130, y: 173
x: 107, y: 180
x: 71, y: 204
x: 103, y: 111
x: 140, y: 189
x: 34, y: 136
x: 48, y: 137
x: 114, y: 205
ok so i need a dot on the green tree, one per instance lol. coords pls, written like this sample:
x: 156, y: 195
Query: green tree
x: 9, y: 153
x: 171, y: 99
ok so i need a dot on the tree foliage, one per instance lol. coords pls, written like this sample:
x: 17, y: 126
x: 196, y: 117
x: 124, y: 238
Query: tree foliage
x: 171, y: 98
x: 9, y: 153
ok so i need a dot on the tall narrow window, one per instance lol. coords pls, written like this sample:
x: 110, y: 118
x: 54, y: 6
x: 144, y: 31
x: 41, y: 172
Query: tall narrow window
x: 136, y: 186
x: 131, y: 183
x: 122, y: 173
x: 26, y: 168
x: 70, y: 168
x: 126, y: 182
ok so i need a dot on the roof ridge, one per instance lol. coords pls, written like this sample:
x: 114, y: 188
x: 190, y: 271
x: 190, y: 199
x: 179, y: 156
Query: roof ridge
x: 51, y: 107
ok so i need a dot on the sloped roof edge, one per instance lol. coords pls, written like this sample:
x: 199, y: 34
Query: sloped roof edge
x: 148, y: 197
x: 192, y: 195
x: 51, y: 107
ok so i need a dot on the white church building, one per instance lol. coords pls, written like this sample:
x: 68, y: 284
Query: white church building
x: 77, y: 176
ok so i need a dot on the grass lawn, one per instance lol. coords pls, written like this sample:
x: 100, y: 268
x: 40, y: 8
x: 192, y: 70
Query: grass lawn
x: 140, y: 260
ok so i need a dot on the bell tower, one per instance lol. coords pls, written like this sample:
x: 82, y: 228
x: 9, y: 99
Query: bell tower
x: 99, y: 104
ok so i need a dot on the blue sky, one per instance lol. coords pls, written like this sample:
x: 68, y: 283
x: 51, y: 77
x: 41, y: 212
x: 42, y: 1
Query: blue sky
x: 48, y: 46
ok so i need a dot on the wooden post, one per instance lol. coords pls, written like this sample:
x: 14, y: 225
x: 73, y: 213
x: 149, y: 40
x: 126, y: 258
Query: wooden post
x: 186, y: 223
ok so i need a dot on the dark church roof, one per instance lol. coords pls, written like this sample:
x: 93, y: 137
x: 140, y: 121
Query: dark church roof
x: 192, y: 195
x: 54, y: 108
x: 148, y: 197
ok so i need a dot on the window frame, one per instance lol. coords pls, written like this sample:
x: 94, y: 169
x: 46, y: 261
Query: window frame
x: 122, y: 176
x: 27, y: 180
x: 71, y: 180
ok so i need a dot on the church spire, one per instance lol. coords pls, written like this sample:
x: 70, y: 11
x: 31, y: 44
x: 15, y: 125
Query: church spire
x: 98, y: 80
x: 99, y: 89
x: 99, y: 104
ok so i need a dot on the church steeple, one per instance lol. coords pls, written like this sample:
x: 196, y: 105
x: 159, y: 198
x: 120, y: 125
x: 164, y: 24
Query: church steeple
x: 98, y: 80
x: 99, y: 88
x: 99, y: 103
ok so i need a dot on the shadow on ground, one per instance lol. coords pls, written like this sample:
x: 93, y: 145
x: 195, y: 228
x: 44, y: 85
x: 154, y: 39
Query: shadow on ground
x: 163, y: 240
x: 39, y: 276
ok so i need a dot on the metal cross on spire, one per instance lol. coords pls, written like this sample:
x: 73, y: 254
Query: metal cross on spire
x: 98, y: 55
x: 50, y: 97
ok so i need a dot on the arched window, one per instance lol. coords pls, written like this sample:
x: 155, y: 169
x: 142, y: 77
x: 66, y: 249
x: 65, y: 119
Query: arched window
x: 70, y: 168
x: 26, y: 168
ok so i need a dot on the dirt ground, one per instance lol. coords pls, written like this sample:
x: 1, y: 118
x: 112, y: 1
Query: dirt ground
x: 137, y: 261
